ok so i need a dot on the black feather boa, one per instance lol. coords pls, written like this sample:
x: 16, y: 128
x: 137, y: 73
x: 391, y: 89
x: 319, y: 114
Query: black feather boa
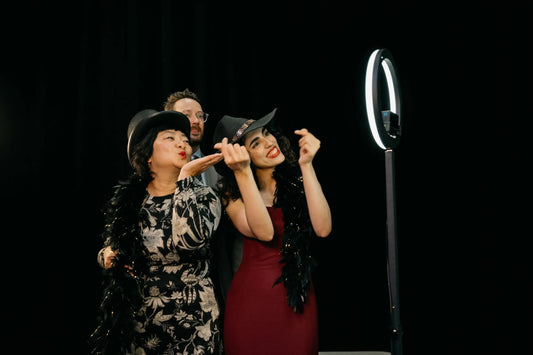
x: 122, y: 297
x: 296, y: 257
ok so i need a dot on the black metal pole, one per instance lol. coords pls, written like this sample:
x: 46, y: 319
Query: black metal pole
x: 392, y: 256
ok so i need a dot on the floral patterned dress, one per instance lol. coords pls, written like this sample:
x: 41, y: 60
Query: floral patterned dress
x: 180, y: 313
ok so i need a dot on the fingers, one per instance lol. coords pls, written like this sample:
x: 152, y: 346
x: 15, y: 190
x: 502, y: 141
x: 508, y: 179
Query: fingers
x: 231, y: 151
x: 215, y: 158
x: 108, y: 261
x: 235, y: 155
x: 109, y: 257
x: 207, y: 160
x: 301, y: 132
x: 306, y: 138
x: 219, y: 145
x: 308, y: 144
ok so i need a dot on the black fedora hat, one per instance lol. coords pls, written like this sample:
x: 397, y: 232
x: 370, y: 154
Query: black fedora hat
x: 234, y: 128
x: 146, y: 119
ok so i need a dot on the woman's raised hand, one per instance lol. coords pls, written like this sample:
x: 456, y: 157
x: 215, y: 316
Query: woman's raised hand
x: 308, y: 144
x: 235, y: 155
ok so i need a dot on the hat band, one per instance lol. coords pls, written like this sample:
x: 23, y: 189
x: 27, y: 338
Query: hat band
x: 241, y: 130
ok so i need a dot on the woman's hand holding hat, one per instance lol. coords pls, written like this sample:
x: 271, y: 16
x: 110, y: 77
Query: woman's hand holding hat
x: 235, y: 155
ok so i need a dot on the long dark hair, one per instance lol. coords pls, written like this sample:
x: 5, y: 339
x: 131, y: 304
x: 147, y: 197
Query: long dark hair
x: 298, y: 232
x: 283, y: 173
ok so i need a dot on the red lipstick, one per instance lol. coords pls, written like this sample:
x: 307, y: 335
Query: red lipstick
x: 274, y: 152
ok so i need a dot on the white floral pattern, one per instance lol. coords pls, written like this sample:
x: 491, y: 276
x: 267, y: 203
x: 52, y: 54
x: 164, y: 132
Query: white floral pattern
x: 180, y: 313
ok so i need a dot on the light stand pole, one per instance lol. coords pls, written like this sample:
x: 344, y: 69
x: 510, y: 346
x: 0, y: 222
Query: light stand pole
x: 392, y: 256
x: 386, y: 130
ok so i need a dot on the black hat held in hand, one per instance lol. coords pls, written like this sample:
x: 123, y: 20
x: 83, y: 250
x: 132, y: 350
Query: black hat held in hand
x: 146, y: 119
x: 234, y: 128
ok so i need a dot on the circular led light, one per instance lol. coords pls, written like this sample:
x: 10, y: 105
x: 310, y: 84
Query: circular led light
x: 384, y: 123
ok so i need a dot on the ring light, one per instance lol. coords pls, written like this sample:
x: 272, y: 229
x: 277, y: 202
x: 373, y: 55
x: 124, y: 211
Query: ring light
x: 384, y: 123
x: 385, y: 126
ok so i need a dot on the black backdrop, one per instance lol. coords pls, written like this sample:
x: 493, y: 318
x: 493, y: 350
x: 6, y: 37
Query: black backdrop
x: 73, y: 74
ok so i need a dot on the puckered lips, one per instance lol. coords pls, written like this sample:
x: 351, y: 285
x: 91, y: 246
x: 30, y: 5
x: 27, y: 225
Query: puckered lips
x: 273, y: 152
x: 182, y: 154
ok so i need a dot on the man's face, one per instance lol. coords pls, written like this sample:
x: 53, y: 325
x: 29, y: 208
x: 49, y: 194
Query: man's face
x: 192, y: 109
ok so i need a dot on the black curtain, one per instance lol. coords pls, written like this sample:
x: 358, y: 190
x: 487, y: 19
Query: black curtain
x: 73, y: 74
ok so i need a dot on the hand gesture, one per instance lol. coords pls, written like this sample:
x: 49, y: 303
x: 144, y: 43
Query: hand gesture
x: 109, y: 257
x: 235, y: 155
x: 197, y: 166
x: 308, y: 144
x: 109, y: 260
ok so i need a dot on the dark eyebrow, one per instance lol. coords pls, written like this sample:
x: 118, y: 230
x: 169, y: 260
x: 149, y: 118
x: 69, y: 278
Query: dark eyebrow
x: 252, y: 141
x: 256, y: 138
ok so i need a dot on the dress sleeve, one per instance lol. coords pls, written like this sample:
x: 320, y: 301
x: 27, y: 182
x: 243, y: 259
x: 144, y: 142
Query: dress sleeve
x: 196, y: 214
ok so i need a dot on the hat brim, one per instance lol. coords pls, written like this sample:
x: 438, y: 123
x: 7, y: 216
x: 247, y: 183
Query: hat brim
x: 169, y: 119
x: 221, y: 166
x: 236, y: 137
x: 256, y: 124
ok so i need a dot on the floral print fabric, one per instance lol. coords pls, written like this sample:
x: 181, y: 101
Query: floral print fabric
x: 180, y: 313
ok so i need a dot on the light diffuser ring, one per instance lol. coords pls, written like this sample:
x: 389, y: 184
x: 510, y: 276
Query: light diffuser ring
x: 382, y: 58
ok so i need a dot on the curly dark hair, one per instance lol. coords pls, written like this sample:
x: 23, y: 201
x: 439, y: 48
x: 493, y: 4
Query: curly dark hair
x: 296, y: 257
x: 178, y: 95
x: 285, y: 172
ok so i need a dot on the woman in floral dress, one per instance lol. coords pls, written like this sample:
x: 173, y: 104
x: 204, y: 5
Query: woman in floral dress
x: 158, y: 293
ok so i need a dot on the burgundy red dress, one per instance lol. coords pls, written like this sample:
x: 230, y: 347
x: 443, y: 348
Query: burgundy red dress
x: 258, y: 318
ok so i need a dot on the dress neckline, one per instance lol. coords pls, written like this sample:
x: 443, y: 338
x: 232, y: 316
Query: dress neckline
x: 160, y: 198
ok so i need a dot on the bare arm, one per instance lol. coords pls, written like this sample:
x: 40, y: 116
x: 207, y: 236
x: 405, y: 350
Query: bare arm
x: 319, y: 210
x: 249, y: 214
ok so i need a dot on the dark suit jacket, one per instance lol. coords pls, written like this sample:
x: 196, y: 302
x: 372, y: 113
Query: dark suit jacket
x: 227, y: 245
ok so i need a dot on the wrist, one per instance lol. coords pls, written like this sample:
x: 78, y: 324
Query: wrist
x: 246, y: 172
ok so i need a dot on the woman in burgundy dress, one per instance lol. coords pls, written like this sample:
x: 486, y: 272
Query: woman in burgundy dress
x: 273, y: 198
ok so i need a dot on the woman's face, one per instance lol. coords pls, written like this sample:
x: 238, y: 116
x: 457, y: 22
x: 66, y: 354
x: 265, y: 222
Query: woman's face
x: 171, y: 149
x: 263, y: 148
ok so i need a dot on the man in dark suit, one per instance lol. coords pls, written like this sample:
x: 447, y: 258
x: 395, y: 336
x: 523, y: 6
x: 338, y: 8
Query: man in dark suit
x: 227, y: 245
